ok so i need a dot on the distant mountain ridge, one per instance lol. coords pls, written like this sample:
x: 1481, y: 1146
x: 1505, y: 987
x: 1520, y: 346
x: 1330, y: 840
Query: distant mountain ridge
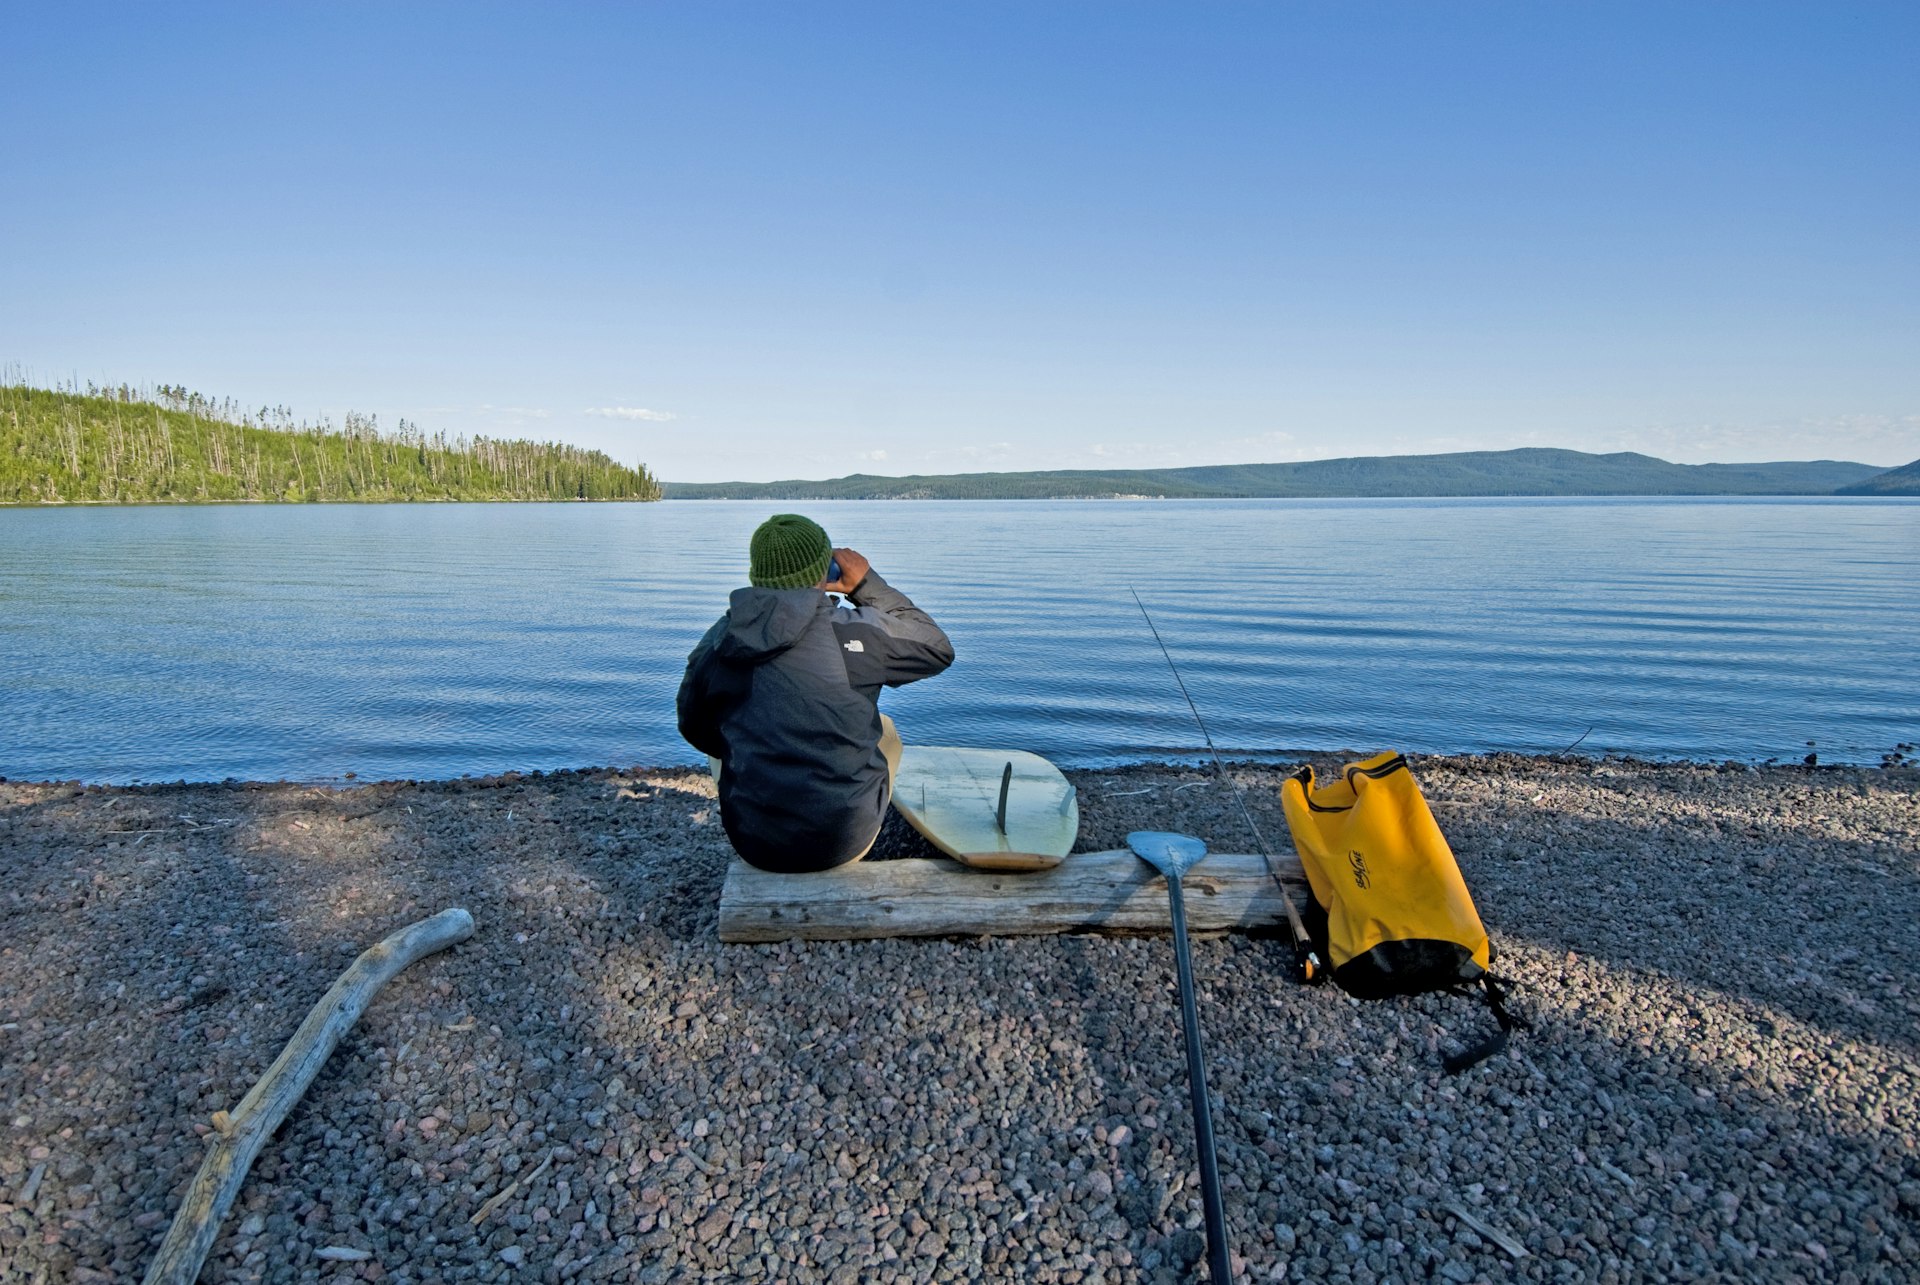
x: 1543, y: 471
x: 1904, y: 480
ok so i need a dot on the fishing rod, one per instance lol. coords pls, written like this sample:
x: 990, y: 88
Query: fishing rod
x: 1306, y: 961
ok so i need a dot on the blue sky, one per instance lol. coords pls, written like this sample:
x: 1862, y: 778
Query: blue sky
x: 808, y: 239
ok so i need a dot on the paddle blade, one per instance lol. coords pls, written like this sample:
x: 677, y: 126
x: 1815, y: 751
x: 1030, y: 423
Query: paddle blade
x: 1169, y: 853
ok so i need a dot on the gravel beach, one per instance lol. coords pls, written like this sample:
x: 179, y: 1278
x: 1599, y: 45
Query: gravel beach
x: 1722, y: 963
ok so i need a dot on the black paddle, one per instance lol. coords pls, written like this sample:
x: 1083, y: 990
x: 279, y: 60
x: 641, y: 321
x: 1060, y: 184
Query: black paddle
x: 1173, y: 855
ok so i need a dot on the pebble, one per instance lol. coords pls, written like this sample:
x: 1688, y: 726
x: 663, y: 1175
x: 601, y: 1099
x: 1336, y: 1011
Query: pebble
x: 1719, y: 1084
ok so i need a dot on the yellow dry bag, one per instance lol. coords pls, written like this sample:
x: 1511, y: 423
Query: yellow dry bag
x: 1397, y: 916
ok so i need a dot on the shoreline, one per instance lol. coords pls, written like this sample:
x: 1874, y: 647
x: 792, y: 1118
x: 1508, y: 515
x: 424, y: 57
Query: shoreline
x: 982, y: 499
x: 1720, y: 964
x: 196, y: 503
x: 1901, y: 759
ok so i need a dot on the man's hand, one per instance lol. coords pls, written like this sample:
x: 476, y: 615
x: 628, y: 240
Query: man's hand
x: 853, y: 569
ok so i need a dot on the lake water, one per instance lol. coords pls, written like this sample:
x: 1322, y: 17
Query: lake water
x: 307, y: 642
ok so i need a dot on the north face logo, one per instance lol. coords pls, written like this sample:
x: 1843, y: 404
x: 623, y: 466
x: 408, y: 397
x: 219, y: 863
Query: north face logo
x: 856, y: 645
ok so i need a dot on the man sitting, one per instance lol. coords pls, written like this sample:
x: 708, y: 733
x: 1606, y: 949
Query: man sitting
x: 783, y: 694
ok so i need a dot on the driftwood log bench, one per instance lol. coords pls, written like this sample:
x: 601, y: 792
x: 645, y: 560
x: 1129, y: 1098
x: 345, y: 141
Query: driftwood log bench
x: 1111, y: 892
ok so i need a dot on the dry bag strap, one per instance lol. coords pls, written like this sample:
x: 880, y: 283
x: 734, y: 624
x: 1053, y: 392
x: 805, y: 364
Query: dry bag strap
x: 1496, y: 1000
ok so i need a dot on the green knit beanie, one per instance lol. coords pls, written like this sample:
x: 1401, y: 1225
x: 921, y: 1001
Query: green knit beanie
x: 788, y: 552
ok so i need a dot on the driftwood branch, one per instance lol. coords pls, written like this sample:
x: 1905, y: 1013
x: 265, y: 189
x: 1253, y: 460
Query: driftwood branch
x: 1088, y: 892
x: 1485, y: 1228
x: 242, y: 1132
x: 506, y: 1193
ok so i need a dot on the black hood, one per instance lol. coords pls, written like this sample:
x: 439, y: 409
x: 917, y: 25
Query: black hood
x: 762, y: 623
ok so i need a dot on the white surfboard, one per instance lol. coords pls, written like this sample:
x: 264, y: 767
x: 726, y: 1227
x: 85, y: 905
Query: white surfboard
x: 992, y: 809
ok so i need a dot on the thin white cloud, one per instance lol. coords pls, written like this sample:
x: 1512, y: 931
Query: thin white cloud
x: 1138, y: 454
x: 488, y: 408
x: 1887, y: 440
x: 1275, y: 447
x: 983, y: 453
x: 632, y: 413
x: 1274, y: 440
x: 875, y: 456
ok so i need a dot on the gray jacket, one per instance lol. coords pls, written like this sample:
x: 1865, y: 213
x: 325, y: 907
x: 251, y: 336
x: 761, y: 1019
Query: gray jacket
x: 784, y: 690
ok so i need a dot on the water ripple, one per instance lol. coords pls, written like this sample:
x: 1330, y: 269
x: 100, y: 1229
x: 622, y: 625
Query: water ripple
x: 428, y: 641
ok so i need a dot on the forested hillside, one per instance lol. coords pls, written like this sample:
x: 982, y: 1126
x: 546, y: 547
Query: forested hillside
x: 138, y: 446
x: 1904, y: 480
x: 1529, y: 471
